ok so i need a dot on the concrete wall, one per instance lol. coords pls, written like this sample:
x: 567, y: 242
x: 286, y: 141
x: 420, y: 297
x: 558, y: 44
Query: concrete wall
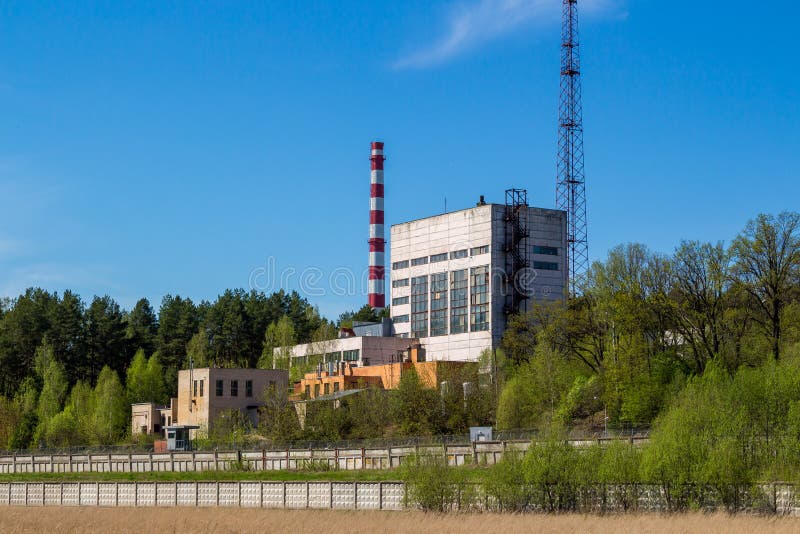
x: 245, y: 494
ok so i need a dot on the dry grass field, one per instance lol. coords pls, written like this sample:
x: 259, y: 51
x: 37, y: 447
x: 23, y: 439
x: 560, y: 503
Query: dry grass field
x: 164, y: 520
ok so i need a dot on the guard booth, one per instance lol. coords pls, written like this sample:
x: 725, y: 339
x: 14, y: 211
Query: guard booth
x: 178, y: 437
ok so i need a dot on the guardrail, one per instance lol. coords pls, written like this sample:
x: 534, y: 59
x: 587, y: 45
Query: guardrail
x: 295, y: 495
x: 477, y: 453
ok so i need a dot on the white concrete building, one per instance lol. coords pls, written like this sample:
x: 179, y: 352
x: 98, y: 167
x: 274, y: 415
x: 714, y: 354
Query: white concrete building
x: 451, y: 274
x: 361, y: 351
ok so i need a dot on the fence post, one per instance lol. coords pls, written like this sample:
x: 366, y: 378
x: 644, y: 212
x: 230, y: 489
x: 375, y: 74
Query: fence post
x: 89, y: 461
x: 284, y: 494
x: 130, y: 463
x: 61, y: 494
x: 135, y: 493
x: 380, y: 495
x: 336, y: 457
x: 69, y: 463
x: 330, y: 493
x: 116, y: 494
x: 26, y: 494
x: 308, y: 494
x: 217, y: 493
x: 263, y: 459
x: 389, y: 454
x: 355, y: 495
x: 97, y: 493
x: 363, y: 459
x: 14, y: 463
x: 194, y: 462
x: 51, y: 463
x: 151, y: 462
x: 172, y: 461
x: 240, y: 494
x: 216, y: 461
x: 287, y: 461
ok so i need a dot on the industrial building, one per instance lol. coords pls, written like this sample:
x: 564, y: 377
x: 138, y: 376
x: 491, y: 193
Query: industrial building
x: 204, y: 394
x: 456, y: 277
x: 330, y: 380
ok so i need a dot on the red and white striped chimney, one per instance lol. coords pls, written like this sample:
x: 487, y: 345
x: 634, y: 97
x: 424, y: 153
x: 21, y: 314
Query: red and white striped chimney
x: 377, y: 244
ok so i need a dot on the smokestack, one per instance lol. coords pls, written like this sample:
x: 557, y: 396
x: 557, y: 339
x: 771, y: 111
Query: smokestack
x: 377, y: 297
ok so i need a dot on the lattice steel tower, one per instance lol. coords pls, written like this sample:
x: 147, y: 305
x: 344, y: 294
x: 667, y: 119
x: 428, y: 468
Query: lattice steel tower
x: 571, y: 185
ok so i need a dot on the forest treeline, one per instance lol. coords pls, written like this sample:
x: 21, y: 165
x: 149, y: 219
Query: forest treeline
x: 645, y: 328
x: 645, y: 323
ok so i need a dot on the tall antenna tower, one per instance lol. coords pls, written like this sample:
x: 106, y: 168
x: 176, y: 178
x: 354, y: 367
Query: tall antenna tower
x: 571, y: 184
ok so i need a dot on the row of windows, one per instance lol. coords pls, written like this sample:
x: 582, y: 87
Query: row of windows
x: 400, y: 283
x: 234, y: 388
x: 399, y: 301
x: 455, y: 287
x: 434, y: 258
x: 549, y: 251
x: 545, y: 265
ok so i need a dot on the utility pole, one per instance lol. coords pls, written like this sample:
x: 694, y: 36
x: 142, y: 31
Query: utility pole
x: 571, y: 184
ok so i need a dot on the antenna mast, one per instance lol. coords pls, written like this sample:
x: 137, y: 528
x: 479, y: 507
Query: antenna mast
x: 571, y: 183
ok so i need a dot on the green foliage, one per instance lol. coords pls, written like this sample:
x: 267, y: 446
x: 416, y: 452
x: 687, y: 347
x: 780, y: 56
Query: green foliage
x: 145, y: 379
x: 415, y: 409
x: 433, y: 486
x: 111, y: 411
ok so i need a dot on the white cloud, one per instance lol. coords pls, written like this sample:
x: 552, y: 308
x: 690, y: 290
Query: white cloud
x: 472, y: 24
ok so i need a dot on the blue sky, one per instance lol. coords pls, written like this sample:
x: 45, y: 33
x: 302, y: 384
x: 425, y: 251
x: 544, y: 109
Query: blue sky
x: 152, y: 147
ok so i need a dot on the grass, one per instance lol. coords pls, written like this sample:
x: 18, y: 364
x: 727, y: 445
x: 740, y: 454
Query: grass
x: 173, y: 476
x: 88, y: 520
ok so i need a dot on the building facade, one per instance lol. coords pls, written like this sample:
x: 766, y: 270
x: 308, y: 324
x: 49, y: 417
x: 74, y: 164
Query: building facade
x: 358, y: 350
x: 203, y: 394
x: 456, y: 277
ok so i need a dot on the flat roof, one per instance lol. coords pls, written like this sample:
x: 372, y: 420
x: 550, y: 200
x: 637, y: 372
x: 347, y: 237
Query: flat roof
x: 467, y: 209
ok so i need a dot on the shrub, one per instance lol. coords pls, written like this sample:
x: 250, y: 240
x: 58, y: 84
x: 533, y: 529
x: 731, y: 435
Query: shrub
x: 433, y: 486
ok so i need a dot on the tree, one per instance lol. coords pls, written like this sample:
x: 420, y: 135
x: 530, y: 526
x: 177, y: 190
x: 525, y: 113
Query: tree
x: 54, y: 388
x: 105, y: 330
x: 142, y: 327
x: 415, y: 409
x: 365, y: 314
x: 767, y: 265
x: 702, y: 279
x: 177, y: 323
x: 67, y: 334
x: 281, y: 335
x: 111, y: 411
x: 145, y: 379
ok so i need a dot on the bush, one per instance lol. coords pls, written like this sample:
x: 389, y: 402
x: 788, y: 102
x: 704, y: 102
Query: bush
x: 507, y: 484
x: 433, y: 486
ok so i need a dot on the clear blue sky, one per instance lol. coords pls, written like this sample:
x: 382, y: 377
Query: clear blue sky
x: 157, y: 147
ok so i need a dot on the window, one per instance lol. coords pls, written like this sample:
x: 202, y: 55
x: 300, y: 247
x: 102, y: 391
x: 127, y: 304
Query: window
x: 194, y: 394
x: 439, y: 257
x: 419, y: 261
x: 419, y: 306
x: 308, y: 391
x: 476, y: 251
x: 439, y: 304
x: 201, y: 387
x: 335, y: 387
x: 316, y: 390
x: 326, y: 388
x: 400, y: 283
x: 458, y: 254
x: 458, y: 302
x: 399, y: 301
x: 351, y: 355
x: 479, y: 299
x: 400, y: 319
x: 550, y: 251
x: 219, y: 388
x: 234, y: 388
x: 248, y: 388
x: 399, y: 265
x: 333, y: 356
x: 545, y: 266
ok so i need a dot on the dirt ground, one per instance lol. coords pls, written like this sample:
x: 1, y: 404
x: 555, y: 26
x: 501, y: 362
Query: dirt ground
x: 206, y: 520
